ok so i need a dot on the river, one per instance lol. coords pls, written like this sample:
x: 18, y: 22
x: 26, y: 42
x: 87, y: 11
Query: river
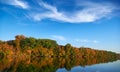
x: 46, y: 64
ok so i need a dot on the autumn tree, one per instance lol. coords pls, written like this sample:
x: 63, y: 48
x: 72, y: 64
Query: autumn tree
x: 17, y: 40
x: 67, y: 49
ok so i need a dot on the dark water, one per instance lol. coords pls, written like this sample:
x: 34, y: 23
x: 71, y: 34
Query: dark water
x: 59, y: 65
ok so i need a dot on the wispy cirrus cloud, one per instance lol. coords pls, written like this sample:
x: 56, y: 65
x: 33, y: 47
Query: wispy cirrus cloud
x: 17, y: 3
x: 86, y: 41
x: 58, y: 37
x: 90, y: 12
x: 87, y: 11
x: 95, y: 41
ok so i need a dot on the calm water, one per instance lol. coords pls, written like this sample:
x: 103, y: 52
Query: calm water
x: 102, y: 67
x: 59, y: 65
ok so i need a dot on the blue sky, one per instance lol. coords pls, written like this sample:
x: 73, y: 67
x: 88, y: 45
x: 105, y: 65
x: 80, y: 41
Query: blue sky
x: 89, y: 23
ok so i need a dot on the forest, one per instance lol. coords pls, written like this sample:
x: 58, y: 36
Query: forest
x: 29, y: 47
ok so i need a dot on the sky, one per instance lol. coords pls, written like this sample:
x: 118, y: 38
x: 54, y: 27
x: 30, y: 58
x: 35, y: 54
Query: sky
x: 88, y: 23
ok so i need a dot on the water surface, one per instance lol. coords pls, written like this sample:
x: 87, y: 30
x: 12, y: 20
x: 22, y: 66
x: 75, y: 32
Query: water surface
x: 59, y: 64
x: 102, y: 67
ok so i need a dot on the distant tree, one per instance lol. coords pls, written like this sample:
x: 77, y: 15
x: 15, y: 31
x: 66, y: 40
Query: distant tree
x: 68, y: 48
x: 17, y: 40
x: 47, y: 43
x: 0, y: 41
x: 28, y: 43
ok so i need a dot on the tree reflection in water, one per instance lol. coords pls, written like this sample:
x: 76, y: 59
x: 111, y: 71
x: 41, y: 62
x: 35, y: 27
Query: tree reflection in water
x: 46, y: 64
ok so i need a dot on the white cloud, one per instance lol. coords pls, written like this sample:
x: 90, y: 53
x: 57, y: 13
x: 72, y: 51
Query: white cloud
x: 57, y: 37
x: 95, y: 41
x: 90, y: 13
x: 49, y: 7
x: 86, y: 41
x: 17, y: 3
x: 81, y: 40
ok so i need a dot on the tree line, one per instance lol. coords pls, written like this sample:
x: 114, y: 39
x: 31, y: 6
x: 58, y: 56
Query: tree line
x: 31, y: 47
